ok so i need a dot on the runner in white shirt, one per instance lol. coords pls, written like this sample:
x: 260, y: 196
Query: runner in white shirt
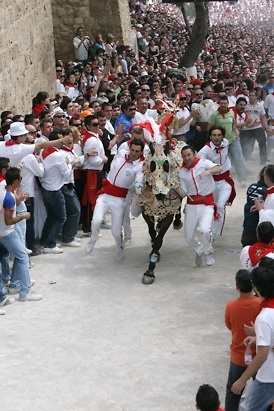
x: 126, y: 169
x: 197, y: 183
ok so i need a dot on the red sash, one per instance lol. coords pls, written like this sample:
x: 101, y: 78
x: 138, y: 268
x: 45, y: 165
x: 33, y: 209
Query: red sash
x: 111, y: 189
x: 205, y: 200
x: 269, y: 191
x: 257, y: 251
x: 11, y: 143
x: 90, y: 190
x: 226, y: 176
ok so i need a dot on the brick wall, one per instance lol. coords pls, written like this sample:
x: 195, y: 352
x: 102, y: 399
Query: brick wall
x: 26, y: 53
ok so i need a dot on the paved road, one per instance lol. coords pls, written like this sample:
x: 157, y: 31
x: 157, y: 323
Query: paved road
x: 101, y: 341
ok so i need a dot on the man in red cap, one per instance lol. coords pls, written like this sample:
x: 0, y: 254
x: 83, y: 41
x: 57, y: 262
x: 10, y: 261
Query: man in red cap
x: 184, y: 117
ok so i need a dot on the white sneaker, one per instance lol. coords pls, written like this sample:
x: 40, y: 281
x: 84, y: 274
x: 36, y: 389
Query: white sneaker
x: 119, y: 256
x: 209, y: 259
x: 89, y: 247
x: 72, y: 244
x: 7, y: 301
x: 78, y: 239
x: 199, y: 260
x: 31, y: 296
x: 54, y: 250
x: 2, y: 312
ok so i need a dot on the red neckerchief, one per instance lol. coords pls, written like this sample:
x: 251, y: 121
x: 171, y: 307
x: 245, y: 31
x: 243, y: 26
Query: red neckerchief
x: 70, y: 84
x: 269, y: 191
x: 196, y: 160
x: 267, y: 303
x: 259, y: 250
x: 87, y: 135
x: 48, y: 151
x: 11, y: 142
x: 223, y: 112
x: 217, y: 149
x: 182, y: 107
x: 2, y: 178
x: 70, y: 150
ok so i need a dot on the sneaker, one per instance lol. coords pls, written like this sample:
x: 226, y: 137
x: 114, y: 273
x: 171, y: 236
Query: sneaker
x: 89, y: 246
x: 32, y: 283
x: 119, y: 256
x: 7, y: 301
x: 2, y: 312
x: 127, y: 241
x: 209, y: 259
x: 13, y: 290
x: 31, y: 296
x: 105, y: 225
x: 199, y: 260
x: 72, y: 244
x: 148, y: 277
x: 78, y: 239
x: 177, y: 225
x: 54, y: 250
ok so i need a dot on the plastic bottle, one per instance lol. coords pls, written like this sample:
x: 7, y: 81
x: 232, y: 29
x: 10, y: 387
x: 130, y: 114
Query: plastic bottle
x: 248, y: 354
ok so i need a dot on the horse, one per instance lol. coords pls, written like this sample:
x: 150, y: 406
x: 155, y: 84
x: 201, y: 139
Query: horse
x: 159, y: 198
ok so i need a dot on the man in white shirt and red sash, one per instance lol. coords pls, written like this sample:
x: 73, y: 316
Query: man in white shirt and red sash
x: 217, y: 151
x: 93, y: 165
x: 197, y: 183
x: 251, y: 254
x: 126, y: 169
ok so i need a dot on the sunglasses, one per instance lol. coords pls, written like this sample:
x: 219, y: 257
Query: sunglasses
x: 183, y: 98
x: 145, y: 89
x: 63, y: 116
x: 94, y: 124
x: 132, y: 109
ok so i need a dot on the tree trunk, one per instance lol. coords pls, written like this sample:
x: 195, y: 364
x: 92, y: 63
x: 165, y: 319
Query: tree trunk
x: 200, y: 31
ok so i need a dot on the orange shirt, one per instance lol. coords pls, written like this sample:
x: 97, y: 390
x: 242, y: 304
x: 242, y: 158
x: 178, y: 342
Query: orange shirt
x: 237, y: 313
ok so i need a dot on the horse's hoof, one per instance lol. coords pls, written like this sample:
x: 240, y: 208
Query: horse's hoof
x: 154, y: 257
x: 148, y: 277
x: 177, y: 225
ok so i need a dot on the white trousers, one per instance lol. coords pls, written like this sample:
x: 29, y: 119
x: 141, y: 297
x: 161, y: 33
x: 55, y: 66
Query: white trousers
x: 221, y: 195
x: 116, y: 206
x: 199, y: 217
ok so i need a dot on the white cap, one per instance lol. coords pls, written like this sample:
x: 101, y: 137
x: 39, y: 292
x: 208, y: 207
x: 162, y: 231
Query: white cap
x: 18, y: 129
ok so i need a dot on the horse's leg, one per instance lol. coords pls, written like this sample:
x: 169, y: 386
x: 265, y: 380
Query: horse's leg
x: 148, y: 277
x: 150, y: 223
x: 177, y: 223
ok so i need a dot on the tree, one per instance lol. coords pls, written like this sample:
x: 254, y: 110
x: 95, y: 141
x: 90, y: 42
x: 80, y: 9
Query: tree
x: 198, y: 33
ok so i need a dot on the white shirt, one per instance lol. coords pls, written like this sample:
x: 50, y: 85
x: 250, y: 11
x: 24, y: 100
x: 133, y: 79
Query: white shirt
x: 254, y: 111
x: 94, y: 162
x: 124, y: 173
x: 264, y: 328
x: 81, y: 53
x: 190, y: 180
x: 219, y: 156
x: 30, y: 169
x: 267, y: 213
x: 15, y: 152
x: 183, y: 114
x: 57, y: 171
x: 245, y: 259
x: 269, y: 104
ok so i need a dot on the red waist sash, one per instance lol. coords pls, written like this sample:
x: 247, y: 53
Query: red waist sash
x: 111, y: 189
x: 90, y: 190
x: 226, y: 176
x: 205, y: 200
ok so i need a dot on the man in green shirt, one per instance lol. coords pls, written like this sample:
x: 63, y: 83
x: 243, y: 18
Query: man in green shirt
x: 224, y: 117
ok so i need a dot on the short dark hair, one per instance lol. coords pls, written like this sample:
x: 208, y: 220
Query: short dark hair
x: 89, y: 119
x: 54, y: 135
x: 241, y: 99
x: 243, y: 281
x: 4, y: 163
x: 186, y: 147
x: 12, y: 174
x: 126, y: 104
x: 265, y: 232
x: 269, y: 172
x: 267, y: 262
x: 101, y: 114
x: 221, y: 129
x: 207, y: 398
x: 263, y: 279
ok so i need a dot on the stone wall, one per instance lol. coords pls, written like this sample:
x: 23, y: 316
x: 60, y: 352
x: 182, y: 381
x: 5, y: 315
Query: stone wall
x: 97, y: 16
x: 26, y: 53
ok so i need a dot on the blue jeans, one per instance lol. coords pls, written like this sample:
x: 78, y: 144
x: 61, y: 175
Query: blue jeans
x: 20, y: 269
x: 3, y: 294
x: 236, y: 155
x: 56, y: 216
x: 73, y: 210
x: 262, y: 394
x: 5, y: 268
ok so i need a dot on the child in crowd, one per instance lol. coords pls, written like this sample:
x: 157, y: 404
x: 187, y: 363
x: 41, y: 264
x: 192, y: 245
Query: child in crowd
x: 207, y: 399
